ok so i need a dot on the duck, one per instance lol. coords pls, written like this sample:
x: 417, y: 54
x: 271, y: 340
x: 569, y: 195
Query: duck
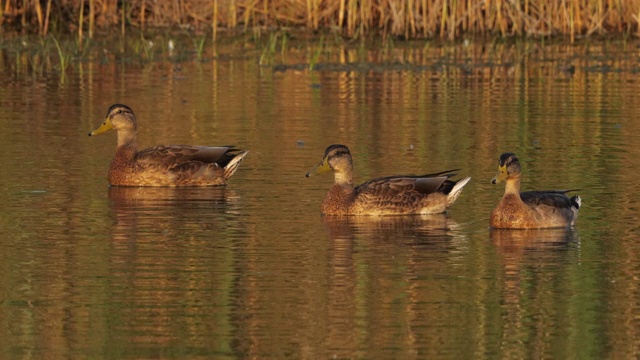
x: 530, y: 209
x: 391, y: 195
x: 164, y: 165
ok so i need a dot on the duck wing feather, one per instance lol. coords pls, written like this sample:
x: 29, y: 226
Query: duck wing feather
x: 553, y: 198
x: 170, y: 156
x: 405, y: 188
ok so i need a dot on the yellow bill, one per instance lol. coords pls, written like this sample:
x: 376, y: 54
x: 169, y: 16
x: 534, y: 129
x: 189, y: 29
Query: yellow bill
x: 323, y: 167
x: 501, y: 175
x: 104, y: 127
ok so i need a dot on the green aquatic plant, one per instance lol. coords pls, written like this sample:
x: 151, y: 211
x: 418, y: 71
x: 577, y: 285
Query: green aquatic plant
x: 83, y: 47
x: 283, y: 46
x: 199, y: 45
x: 143, y: 48
x: 64, y: 57
x: 268, y: 51
x: 316, y: 54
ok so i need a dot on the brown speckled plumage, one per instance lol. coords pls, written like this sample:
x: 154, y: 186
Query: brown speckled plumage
x: 393, y: 195
x: 164, y: 165
x: 531, y: 209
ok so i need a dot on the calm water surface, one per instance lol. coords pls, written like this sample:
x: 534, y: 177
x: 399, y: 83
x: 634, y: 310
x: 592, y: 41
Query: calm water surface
x: 252, y: 270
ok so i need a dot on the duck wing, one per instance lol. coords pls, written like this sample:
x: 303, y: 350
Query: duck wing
x: 553, y: 198
x: 405, y: 188
x: 170, y: 156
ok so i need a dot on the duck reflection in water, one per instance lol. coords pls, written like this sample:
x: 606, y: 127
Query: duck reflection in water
x: 533, y: 264
x: 521, y: 245
x: 168, y: 210
x: 374, y: 262
x: 518, y: 240
x: 434, y: 230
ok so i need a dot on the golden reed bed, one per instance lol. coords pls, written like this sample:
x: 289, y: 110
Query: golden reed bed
x: 403, y: 18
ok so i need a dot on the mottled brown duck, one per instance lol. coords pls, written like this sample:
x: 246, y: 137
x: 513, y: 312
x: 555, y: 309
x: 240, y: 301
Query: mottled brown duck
x: 164, y: 165
x: 392, y: 195
x: 530, y: 209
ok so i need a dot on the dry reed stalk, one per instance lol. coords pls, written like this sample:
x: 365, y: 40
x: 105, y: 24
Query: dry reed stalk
x: 443, y: 18
x: 321, y: 15
x: 471, y: 9
x: 501, y: 18
x: 462, y: 17
x: 265, y: 14
x: 214, y: 20
x: 80, y: 21
x: 40, y: 17
x: 341, y: 14
x: 245, y: 15
x: 408, y: 24
x: 482, y: 20
x: 351, y: 17
x: 599, y: 16
x: 232, y: 23
x: 180, y: 12
x: 381, y: 19
x: 542, y: 14
x: 452, y: 21
x: 353, y: 13
x: 92, y: 17
x: 577, y: 10
x: 312, y: 14
x: 23, y: 18
x: 423, y: 15
x: 143, y: 9
x: 409, y: 18
x: 526, y: 9
x: 122, y: 30
x: 518, y: 20
x: 361, y: 17
x: 47, y: 16
x: 105, y: 8
x: 393, y: 17
x: 572, y: 24
x: 433, y: 13
x: 637, y: 17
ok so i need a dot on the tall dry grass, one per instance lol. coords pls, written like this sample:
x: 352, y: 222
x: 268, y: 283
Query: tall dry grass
x: 402, y: 18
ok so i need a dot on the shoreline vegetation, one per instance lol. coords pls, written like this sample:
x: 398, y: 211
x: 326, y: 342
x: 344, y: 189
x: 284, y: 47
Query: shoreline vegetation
x: 41, y: 36
x: 402, y: 19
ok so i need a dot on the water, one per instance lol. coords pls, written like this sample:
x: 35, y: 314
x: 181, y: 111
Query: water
x: 253, y: 271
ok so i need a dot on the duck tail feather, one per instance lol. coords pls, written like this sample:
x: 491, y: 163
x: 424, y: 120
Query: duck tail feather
x: 576, y: 201
x: 456, y: 190
x: 232, y: 166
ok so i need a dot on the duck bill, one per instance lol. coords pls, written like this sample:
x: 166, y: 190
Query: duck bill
x: 104, y: 127
x: 501, y: 175
x: 323, y: 167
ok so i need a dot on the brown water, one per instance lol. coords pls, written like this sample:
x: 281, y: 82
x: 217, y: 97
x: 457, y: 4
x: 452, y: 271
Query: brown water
x: 253, y: 271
